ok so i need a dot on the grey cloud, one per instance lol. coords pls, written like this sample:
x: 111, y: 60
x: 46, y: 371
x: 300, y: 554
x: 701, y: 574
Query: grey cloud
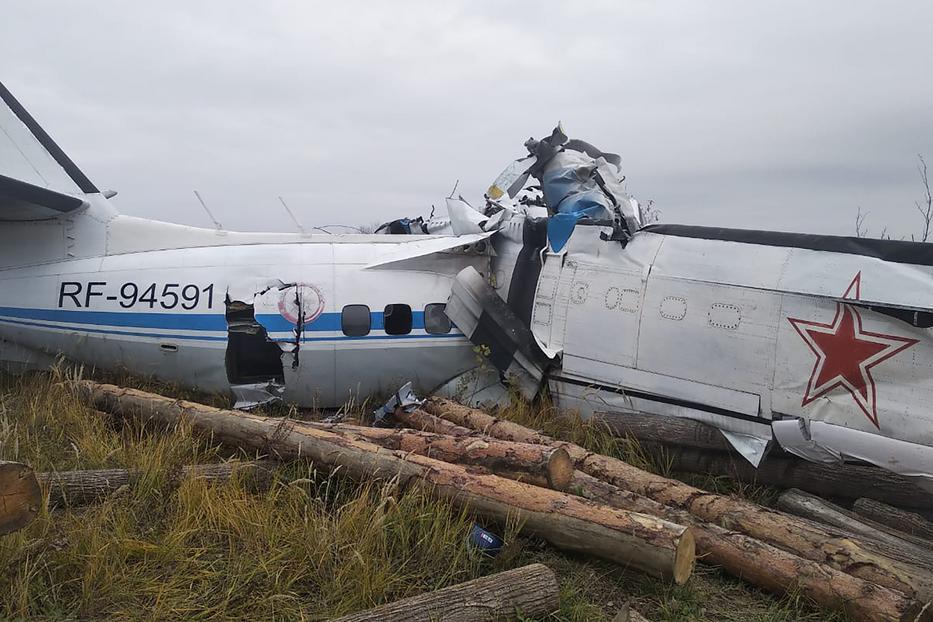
x: 783, y: 115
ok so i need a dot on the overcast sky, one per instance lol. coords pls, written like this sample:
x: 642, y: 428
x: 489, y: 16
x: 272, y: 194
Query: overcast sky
x: 784, y: 115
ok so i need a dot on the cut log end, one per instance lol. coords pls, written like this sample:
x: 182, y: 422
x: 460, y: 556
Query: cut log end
x: 684, y: 557
x: 20, y: 496
x: 560, y: 469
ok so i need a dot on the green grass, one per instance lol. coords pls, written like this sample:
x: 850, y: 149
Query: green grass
x: 311, y: 547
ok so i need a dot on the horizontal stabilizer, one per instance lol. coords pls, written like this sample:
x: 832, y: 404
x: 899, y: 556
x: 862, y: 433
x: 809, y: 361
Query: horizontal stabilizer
x: 23, y: 201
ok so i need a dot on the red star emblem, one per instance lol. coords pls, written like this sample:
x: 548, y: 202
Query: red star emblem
x: 846, y: 354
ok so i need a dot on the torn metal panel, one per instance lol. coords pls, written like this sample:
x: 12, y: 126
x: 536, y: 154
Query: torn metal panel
x: 241, y: 318
x: 251, y: 396
x: 464, y: 219
x: 581, y: 181
x: 404, y: 399
x: 903, y: 457
x: 752, y: 448
x: 793, y: 435
x: 503, y: 339
x: 511, y: 180
x: 550, y: 310
x: 570, y: 187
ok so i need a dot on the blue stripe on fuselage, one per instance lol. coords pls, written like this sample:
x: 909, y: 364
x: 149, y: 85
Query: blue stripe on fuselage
x: 275, y: 323
x: 186, y: 321
x: 129, y: 319
x: 110, y: 323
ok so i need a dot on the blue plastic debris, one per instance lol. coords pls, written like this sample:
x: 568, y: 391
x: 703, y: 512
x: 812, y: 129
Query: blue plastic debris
x: 486, y: 542
x: 559, y: 229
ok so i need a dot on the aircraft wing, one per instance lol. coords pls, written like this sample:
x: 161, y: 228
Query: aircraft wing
x: 37, y: 180
x: 428, y: 246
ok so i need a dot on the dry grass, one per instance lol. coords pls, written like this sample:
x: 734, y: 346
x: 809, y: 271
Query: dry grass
x: 311, y: 547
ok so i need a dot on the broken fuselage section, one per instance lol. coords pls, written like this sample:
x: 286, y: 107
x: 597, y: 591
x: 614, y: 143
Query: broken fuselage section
x: 818, y: 344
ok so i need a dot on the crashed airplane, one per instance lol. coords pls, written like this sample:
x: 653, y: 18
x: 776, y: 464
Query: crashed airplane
x: 818, y: 344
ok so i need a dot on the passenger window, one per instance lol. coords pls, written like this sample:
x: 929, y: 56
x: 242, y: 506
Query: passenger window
x: 397, y: 319
x: 355, y: 320
x: 436, y: 321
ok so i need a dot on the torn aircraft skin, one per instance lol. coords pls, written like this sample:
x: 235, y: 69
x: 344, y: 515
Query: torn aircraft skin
x: 819, y: 344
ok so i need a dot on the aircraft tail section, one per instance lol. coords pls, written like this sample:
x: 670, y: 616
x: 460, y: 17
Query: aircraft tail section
x: 49, y: 209
x: 38, y: 180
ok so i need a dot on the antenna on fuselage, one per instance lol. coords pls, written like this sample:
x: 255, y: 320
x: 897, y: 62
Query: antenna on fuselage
x: 294, y: 220
x: 219, y: 226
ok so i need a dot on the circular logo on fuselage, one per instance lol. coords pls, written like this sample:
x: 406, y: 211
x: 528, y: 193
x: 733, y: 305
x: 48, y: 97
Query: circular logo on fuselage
x: 303, y: 300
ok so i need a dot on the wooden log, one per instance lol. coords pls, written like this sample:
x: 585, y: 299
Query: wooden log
x: 763, y: 565
x: 646, y: 428
x: 849, y: 481
x: 646, y: 543
x: 906, y: 522
x: 74, y: 488
x: 814, y: 508
x: 551, y: 465
x: 801, y: 537
x: 419, y: 419
x: 531, y: 591
x: 20, y: 496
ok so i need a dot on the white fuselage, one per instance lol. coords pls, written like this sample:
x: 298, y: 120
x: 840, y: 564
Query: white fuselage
x: 752, y: 338
x: 177, y: 313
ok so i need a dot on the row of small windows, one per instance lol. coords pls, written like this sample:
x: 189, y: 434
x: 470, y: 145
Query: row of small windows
x: 356, y: 320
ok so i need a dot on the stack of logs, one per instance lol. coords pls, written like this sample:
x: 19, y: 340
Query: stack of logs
x: 582, y: 502
x: 694, y: 447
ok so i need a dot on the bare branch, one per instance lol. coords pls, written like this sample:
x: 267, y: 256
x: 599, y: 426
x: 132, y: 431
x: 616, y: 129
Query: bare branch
x: 861, y: 230
x: 925, y: 207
